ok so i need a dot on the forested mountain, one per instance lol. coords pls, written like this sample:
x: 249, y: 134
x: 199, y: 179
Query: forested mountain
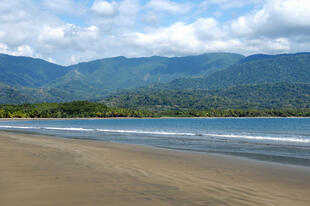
x: 208, y: 81
x: 271, y: 69
x: 106, y: 75
x: 19, y: 95
x: 257, y: 57
x: 28, y: 72
x: 38, y: 80
x: 264, y: 96
x: 258, y: 81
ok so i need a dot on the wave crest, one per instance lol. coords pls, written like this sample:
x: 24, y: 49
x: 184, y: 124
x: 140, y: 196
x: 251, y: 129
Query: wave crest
x: 226, y: 136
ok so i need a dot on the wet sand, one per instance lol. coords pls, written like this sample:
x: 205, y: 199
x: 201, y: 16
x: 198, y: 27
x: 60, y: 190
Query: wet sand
x: 48, y: 171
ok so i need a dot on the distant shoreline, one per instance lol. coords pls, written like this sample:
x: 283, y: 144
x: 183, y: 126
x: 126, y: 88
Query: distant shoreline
x: 93, y: 110
x: 120, y: 118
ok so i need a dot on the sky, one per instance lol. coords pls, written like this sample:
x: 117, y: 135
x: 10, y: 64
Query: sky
x: 70, y: 31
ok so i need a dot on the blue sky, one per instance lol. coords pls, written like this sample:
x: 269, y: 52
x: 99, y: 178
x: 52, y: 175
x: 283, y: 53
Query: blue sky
x: 70, y: 31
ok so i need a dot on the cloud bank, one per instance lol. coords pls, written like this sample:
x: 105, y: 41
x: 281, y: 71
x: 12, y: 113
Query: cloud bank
x: 68, y: 31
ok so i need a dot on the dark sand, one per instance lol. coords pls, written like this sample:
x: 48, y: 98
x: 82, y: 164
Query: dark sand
x: 49, y: 171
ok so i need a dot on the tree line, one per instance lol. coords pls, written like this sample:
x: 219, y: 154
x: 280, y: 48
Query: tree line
x: 85, y: 109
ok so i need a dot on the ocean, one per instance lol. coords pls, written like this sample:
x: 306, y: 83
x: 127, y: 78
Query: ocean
x: 281, y: 140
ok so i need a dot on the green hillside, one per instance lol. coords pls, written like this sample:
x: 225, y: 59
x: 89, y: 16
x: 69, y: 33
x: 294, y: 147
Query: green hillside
x: 35, y: 80
x: 11, y: 95
x: 277, y: 68
x: 264, y: 96
x: 19, y: 95
x: 257, y: 57
x: 28, y: 72
x: 209, y: 81
x: 103, y: 76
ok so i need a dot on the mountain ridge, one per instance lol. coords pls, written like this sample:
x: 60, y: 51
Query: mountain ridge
x: 88, y: 80
x: 284, y: 68
x: 213, y: 80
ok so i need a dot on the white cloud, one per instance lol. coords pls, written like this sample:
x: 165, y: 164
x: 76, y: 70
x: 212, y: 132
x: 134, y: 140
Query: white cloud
x: 124, y: 20
x: 105, y: 8
x: 151, y: 18
x: 208, y: 29
x: 184, y: 39
x: 125, y: 27
x: 24, y: 50
x: 208, y: 35
x: 228, y: 4
x: 18, y: 24
x: 169, y: 6
x: 128, y: 11
x: 278, y: 18
x: 240, y: 27
x: 217, y: 14
x: 27, y: 30
x: 64, y: 6
x: 279, y: 44
x: 3, y: 48
x: 68, y: 39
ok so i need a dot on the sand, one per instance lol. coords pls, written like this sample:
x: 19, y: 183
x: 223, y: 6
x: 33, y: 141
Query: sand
x: 49, y: 171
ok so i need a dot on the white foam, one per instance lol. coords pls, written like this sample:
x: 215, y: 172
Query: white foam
x: 146, y: 132
x: 281, y: 139
x: 47, y: 128
x: 18, y: 127
x: 251, y: 137
x: 68, y: 129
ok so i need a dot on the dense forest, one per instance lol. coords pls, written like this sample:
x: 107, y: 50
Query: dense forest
x: 33, y: 80
x: 67, y: 110
x: 85, y: 109
x: 252, y: 70
x: 264, y: 96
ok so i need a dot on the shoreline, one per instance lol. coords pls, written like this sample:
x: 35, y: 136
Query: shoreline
x: 120, y: 118
x: 296, y: 161
x: 215, y: 154
x: 41, y: 170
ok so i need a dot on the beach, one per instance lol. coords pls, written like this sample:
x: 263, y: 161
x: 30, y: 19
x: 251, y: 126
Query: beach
x: 51, y: 171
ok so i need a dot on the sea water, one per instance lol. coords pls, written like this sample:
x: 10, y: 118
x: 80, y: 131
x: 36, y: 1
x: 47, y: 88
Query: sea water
x: 282, y: 140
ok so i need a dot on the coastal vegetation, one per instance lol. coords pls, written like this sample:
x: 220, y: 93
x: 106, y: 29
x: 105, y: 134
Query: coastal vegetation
x: 85, y: 109
x: 67, y: 110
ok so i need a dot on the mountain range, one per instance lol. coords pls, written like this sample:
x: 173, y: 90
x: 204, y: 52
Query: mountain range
x: 36, y: 80
x: 213, y: 80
